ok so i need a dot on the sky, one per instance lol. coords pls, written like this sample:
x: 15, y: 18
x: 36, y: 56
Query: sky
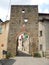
x: 5, y: 5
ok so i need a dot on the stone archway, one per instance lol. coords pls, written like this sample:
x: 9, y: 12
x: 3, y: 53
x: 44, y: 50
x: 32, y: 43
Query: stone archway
x: 23, y: 44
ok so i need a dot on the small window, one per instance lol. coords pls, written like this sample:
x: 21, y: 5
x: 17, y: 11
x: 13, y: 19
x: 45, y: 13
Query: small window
x: 40, y: 46
x: 25, y: 20
x: 0, y: 29
x: 23, y: 11
x: 40, y: 33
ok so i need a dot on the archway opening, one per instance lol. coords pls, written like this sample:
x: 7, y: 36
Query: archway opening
x: 23, y: 45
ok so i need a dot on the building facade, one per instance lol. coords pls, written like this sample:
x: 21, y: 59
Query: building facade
x: 4, y: 28
x: 24, y: 20
x: 28, y: 31
x: 44, y: 33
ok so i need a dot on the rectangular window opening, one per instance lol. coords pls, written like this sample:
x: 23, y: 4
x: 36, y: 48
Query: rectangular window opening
x: 40, y: 46
x: 0, y: 29
x: 23, y: 11
x: 40, y: 33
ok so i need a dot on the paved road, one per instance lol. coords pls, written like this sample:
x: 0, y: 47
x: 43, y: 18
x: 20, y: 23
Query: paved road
x: 26, y: 61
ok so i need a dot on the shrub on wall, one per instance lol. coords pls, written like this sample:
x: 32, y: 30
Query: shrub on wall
x: 8, y: 55
x: 37, y: 55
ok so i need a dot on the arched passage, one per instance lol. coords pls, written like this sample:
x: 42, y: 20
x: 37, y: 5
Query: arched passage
x: 23, y: 44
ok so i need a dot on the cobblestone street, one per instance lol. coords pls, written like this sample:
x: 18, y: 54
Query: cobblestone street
x: 26, y: 61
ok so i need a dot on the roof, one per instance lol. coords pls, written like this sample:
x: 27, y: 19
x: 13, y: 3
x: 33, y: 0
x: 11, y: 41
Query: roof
x: 7, y: 21
x: 43, y: 17
x: 1, y: 20
x: 24, y: 5
x: 43, y: 13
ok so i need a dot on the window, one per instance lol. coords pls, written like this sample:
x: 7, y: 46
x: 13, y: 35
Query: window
x: 23, y: 11
x: 26, y: 20
x: 0, y: 29
x: 40, y: 46
x: 40, y: 33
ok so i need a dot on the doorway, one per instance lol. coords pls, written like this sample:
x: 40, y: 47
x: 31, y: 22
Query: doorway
x: 23, y: 44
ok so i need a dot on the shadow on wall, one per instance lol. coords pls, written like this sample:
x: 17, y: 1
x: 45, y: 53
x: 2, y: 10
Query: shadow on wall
x: 7, y: 62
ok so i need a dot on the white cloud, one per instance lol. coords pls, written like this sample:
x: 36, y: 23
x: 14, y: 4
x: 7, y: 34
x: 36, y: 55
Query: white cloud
x: 46, y: 11
x: 4, y: 5
x: 43, y: 11
x: 3, y: 14
x: 40, y: 10
x: 39, y: 2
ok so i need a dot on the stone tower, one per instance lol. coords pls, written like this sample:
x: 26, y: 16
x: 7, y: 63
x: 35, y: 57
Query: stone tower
x: 24, y: 18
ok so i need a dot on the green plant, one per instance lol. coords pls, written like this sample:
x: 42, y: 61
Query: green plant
x: 37, y: 54
x: 8, y: 55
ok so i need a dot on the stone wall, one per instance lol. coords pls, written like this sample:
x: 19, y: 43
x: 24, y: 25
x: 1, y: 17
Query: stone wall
x: 17, y: 26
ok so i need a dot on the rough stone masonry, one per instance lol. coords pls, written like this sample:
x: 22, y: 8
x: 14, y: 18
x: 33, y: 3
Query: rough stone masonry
x: 19, y: 13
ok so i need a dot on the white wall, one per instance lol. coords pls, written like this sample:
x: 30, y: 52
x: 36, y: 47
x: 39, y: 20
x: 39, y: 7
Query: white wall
x: 44, y: 39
